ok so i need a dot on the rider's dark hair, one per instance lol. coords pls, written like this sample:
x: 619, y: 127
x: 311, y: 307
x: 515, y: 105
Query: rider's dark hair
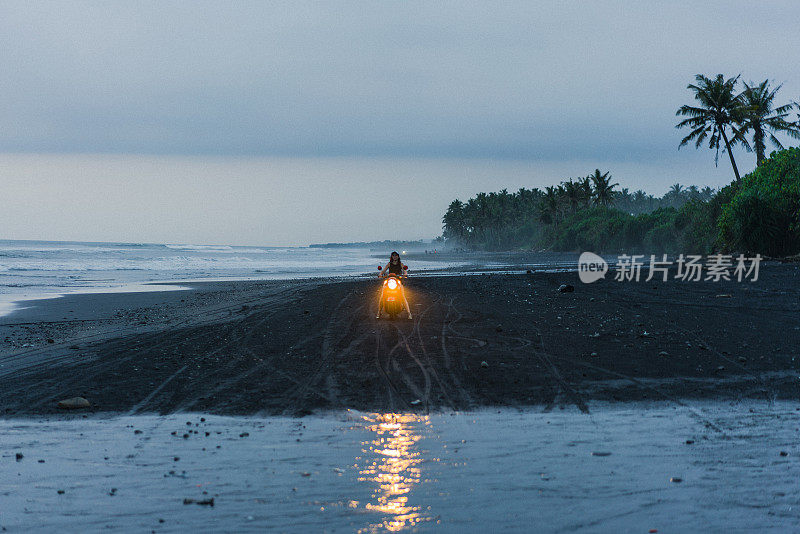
x: 394, y: 253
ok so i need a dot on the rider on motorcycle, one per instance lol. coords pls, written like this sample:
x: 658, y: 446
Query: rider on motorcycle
x: 395, y: 267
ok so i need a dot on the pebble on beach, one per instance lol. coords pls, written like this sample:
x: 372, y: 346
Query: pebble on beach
x: 74, y: 403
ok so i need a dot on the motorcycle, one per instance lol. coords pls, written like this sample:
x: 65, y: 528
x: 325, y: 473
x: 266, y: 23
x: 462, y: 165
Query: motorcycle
x: 392, y: 301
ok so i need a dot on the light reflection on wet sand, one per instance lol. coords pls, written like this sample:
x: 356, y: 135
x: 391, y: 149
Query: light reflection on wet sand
x: 614, y: 470
x: 392, y: 464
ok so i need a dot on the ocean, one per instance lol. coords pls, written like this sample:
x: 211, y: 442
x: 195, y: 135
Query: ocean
x: 48, y: 269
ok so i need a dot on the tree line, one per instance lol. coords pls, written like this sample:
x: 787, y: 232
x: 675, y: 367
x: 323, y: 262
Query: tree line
x: 501, y: 219
x: 593, y: 213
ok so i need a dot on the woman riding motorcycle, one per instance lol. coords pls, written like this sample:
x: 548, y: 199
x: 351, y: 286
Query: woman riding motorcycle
x: 395, y: 267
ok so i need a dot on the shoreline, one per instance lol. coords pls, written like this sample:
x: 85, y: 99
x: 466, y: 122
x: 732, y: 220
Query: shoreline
x: 475, y: 262
x: 471, y: 262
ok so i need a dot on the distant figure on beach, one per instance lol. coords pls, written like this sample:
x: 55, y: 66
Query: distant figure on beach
x: 395, y: 267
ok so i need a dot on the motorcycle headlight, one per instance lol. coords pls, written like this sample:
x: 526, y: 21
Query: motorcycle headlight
x: 392, y: 283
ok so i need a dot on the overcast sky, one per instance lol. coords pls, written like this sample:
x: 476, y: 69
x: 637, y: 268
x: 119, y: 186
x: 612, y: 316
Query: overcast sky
x: 289, y: 123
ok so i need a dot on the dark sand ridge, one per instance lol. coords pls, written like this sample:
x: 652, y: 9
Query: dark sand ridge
x: 294, y: 347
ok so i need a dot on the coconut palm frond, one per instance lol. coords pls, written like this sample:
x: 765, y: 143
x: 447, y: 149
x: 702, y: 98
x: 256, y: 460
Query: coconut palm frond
x: 760, y: 117
x: 718, y: 111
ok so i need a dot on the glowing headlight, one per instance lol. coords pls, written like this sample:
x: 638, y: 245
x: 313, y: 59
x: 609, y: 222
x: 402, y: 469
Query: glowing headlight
x: 392, y: 283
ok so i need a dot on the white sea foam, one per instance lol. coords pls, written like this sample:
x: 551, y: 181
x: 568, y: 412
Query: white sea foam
x: 29, y: 269
x: 210, y: 248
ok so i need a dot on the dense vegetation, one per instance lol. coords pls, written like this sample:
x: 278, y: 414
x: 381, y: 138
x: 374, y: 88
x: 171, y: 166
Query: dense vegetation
x: 580, y: 215
x: 757, y: 214
x: 763, y: 214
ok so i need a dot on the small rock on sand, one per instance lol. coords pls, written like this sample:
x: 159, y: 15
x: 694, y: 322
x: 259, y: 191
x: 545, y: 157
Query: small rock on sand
x: 74, y: 403
x: 203, y: 502
x: 566, y: 288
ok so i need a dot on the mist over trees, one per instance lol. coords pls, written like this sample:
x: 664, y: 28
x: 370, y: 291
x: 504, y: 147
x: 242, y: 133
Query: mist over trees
x: 759, y: 213
x: 531, y: 218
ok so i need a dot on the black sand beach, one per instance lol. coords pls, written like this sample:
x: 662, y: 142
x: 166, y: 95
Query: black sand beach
x: 298, y: 347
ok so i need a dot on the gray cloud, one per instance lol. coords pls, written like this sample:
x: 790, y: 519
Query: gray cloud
x: 529, y: 80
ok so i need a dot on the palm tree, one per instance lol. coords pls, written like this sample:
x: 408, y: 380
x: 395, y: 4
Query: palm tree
x: 586, y: 191
x: 718, y: 110
x: 797, y: 104
x: 622, y: 199
x: 549, y: 205
x: 574, y: 193
x: 757, y: 101
x: 603, y: 188
x: 675, y: 196
x: 640, y: 201
x: 706, y: 193
x: 454, y: 222
x: 676, y: 190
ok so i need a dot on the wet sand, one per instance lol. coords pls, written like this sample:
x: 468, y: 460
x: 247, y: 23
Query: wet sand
x: 298, y: 347
x: 704, y: 466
